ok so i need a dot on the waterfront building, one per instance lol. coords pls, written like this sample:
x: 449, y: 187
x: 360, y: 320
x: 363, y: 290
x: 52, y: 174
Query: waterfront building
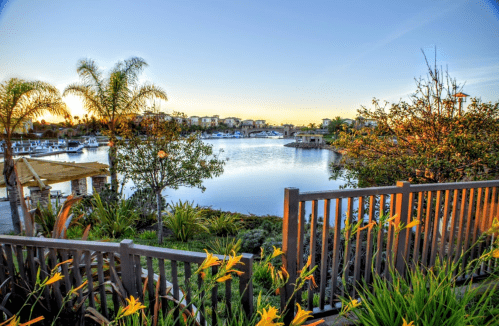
x: 194, y: 121
x: 248, y: 123
x: 310, y: 138
x: 325, y: 123
x: 260, y: 124
x: 232, y: 122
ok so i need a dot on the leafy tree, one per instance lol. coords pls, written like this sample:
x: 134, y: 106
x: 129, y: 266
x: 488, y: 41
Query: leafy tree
x: 312, y: 126
x: 21, y: 101
x: 427, y: 139
x: 113, y: 97
x: 165, y: 159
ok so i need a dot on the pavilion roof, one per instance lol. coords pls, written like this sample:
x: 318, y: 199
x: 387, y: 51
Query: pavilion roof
x: 41, y: 173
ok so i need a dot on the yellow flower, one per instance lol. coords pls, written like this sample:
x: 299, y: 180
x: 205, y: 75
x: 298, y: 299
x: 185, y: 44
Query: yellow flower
x: 301, y: 316
x: 224, y: 278
x: 351, y: 305
x: 203, y: 275
x: 57, y: 277
x: 495, y: 253
x: 268, y: 317
x: 64, y: 262
x: 412, y: 224
x: 133, y: 306
x: 315, y: 323
x: 234, y: 260
x: 78, y: 288
x: 162, y: 154
x: 312, y: 279
x: 110, y: 144
x: 406, y: 324
x: 209, y: 261
x: 37, y: 319
x: 277, y: 252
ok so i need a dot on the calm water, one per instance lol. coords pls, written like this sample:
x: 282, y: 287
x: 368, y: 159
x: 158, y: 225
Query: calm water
x: 256, y: 173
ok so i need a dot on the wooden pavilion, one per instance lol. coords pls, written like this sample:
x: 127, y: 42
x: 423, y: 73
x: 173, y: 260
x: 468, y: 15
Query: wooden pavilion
x: 38, y: 174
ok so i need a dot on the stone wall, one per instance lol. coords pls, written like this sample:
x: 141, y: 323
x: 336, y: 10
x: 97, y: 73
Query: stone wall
x: 99, y: 182
x: 79, y: 186
x: 40, y: 196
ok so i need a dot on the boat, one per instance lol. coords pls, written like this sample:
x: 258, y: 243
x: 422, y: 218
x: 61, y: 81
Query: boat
x: 274, y: 134
x: 226, y: 135
x: 91, y: 142
x: 74, y: 147
x: 217, y: 135
x: 261, y: 134
x: 237, y: 134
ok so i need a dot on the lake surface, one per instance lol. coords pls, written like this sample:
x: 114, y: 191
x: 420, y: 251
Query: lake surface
x: 254, y: 178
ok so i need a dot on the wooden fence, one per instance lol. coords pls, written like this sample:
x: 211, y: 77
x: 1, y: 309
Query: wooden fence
x: 130, y: 267
x: 452, y: 216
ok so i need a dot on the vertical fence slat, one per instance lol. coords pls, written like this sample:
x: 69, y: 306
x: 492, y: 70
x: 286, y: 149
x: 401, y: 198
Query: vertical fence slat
x: 88, y: 270
x: 492, y: 216
x: 176, y: 290
x: 112, y: 269
x: 30, y: 257
x: 214, y: 299
x: 346, y: 261
x: 127, y: 266
x: 201, y: 308
x: 57, y: 285
x: 469, y: 228
x: 44, y: 272
x: 188, y: 288
x: 102, y: 286
x: 10, y: 261
x: 336, y: 249
x: 324, y: 253
x: 389, y: 239
x: 2, y: 266
x: 246, y: 284
x: 461, y: 229
x: 400, y: 236
x: 20, y: 263
x: 427, y: 229
x: 433, y: 253
x: 289, y: 247
x: 381, y: 231
x: 150, y: 285
x: 417, y: 237
x: 408, y: 236
x: 162, y: 285
x: 444, y: 225
x: 228, y: 297
x: 356, y: 273
x: 313, y: 242
x: 369, y: 245
x: 455, y: 201
x: 301, y: 237
x: 477, y: 220
x: 138, y: 278
x: 484, y: 227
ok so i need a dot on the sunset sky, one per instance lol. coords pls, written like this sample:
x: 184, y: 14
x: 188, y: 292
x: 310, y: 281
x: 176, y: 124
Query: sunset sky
x: 283, y: 61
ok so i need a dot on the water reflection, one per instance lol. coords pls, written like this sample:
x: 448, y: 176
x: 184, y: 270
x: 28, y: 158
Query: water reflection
x: 256, y: 173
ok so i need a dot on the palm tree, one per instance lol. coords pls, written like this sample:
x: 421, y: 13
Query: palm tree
x: 113, y: 97
x: 335, y: 125
x: 21, y: 101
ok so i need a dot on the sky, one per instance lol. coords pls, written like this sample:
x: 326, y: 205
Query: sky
x: 283, y: 61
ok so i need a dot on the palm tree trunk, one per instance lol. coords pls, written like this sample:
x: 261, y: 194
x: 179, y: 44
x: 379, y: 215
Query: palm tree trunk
x: 112, y: 167
x: 10, y: 181
x: 160, y: 220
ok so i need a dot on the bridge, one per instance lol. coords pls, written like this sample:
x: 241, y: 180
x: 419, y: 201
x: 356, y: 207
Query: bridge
x: 286, y: 131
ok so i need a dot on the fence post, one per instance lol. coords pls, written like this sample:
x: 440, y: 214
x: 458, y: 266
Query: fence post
x: 402, y: 211
x: 289, y: 247
x: 246, y: 285
x: 127, y: 270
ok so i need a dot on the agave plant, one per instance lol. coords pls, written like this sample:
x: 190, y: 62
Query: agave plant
x: 185, y: 221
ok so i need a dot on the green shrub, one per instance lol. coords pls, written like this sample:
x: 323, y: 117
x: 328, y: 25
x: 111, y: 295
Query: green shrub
x: 252, y: 240
x: 225, y: 246
x: 270, y: 242
x: 114, y: 219
x: 224, y: 224
x: 148, y: 235
x: 185, y: 221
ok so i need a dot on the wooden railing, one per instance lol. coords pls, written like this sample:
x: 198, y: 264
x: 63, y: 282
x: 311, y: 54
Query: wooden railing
x: 452, y: 217
x: 133, y: 269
